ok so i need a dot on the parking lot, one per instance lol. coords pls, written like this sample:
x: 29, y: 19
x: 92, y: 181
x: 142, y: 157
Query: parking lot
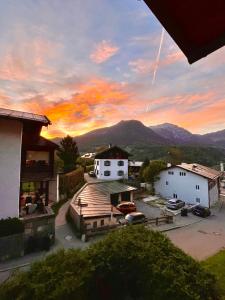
x: 198, y: 237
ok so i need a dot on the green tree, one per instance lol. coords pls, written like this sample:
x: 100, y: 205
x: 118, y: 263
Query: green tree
x: 175, y: 156
x: 144, y: 165
x: 152, y: 171
x: 68, y: 153
x: 130, y: 263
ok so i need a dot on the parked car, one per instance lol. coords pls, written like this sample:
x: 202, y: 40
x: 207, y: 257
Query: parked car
x: 175, y: 204
x: 201, y: 211
x: 91, y: 174
x: 126, y: 207
x: 134, y: 218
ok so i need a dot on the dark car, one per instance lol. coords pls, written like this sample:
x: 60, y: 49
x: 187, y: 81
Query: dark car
x: 92, y: 174
x: 126, y: 207
x: 175, y: 204
x: 201, y: 211
x: 135, y: 218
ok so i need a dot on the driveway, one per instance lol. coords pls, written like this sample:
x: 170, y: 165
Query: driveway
x: 202, y: 239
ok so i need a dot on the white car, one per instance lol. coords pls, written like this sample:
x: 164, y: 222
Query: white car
x: 175, y: 204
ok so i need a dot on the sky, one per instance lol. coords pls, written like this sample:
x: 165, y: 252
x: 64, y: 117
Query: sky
x: 88, y: 64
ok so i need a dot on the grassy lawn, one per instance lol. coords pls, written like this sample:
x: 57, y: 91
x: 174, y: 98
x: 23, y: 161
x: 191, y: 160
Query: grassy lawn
x: 216, y: 265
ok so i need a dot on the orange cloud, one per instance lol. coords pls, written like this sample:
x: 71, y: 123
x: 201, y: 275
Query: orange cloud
x: 91, y: 107
x: 103, y: 51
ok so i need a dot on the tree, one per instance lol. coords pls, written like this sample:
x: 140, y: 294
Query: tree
x: 144, y: 165
x: 68, y: 153
x: 152, y: 171
x: 175, y: 156
x: 130, y: 263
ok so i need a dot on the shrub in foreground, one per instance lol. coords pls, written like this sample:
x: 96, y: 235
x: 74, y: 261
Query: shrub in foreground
x: 132, y: 263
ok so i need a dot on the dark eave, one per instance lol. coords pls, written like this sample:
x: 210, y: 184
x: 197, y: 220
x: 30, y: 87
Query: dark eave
x: 24, y: 116
x: 197, y: 26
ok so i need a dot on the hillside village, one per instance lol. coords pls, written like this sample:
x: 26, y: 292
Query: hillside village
x: 114, y: 192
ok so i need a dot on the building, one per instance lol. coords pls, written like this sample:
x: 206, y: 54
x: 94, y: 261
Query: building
x: 192, y: 183
x: 93, y: 206
x: 26, y: 161
x: 134, y: 168
x: 111, y: 164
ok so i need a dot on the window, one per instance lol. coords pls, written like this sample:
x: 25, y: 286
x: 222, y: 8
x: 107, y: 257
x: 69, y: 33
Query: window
x: 167, y: 183
x: 197, y: 187
x: 95, y: 224
x: 120, y: 163
x: 102, y: 222
x: 170, y: 172
x: 107, y: 163
x: 120, y: 173
x: 97, y: 162
x: 182, y: 174
x: 175, y: 196
x: 107, y: 173
x: 97, y: 172
x: 198, y: 200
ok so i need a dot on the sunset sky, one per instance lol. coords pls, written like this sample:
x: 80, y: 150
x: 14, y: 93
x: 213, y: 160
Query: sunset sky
x: 88, y: 64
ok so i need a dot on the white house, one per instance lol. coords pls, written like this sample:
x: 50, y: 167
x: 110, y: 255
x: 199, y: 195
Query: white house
x: 192, y: 183
x: 26, y: 160
x: 111, y: 164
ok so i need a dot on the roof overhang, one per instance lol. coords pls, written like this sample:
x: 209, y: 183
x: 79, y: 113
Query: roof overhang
x: 198, y: 27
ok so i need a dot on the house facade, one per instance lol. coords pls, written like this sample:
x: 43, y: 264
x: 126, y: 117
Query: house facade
x: 192, y: 183
x: 26, y: 161
x: 111, y: 164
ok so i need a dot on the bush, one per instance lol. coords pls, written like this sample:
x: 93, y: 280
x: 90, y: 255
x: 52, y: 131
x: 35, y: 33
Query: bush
x: 11, y: 226
x: 89, y: 168
x: 131, y: 263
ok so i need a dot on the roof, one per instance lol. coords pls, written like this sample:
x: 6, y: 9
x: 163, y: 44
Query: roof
x: 198, y: 27
x: 43, y: 142
x: 200, y: 170
x: 95, y: 198
x: 23, y: 116
x: 110, y: 149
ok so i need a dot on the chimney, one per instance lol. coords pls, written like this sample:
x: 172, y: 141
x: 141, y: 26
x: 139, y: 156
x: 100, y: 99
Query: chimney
x: 222, y: 167
x: 169, y: 165
x: 110, y: 145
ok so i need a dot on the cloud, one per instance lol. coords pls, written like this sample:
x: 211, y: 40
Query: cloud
x: 145, y: 66
x: 28, y: 60
x: 103, y: 51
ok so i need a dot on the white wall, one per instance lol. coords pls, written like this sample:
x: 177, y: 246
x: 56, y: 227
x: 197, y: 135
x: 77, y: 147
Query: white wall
x: 107, y: 221
x: 113, y: 168
x: 10, y: 162
x: 183, y: 186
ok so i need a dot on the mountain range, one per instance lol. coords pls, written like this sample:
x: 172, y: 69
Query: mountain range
x: 133, y: 132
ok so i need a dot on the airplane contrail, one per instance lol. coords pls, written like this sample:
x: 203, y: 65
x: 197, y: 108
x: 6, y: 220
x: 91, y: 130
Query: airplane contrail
x: 158, y: 56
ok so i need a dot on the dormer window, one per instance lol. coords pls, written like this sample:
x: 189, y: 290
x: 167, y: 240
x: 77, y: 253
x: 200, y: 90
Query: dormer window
x: 120, y: 163
x: 107, y: 163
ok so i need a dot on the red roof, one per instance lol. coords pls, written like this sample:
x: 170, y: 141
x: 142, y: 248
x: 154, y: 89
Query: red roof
x: 197, y: 26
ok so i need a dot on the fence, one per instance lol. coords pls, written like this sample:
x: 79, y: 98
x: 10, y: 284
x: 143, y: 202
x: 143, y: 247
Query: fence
x: 160, y: 220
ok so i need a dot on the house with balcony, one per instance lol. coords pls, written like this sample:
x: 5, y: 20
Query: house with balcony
x: 26, y: 162
x: 111, y: 164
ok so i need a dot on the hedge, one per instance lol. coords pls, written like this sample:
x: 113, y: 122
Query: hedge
x: 11, y: 226
x: 69, y: 181
x: 131, y: 263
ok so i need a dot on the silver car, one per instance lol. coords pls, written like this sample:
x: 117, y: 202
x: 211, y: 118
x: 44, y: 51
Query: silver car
x: 175, y: 204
